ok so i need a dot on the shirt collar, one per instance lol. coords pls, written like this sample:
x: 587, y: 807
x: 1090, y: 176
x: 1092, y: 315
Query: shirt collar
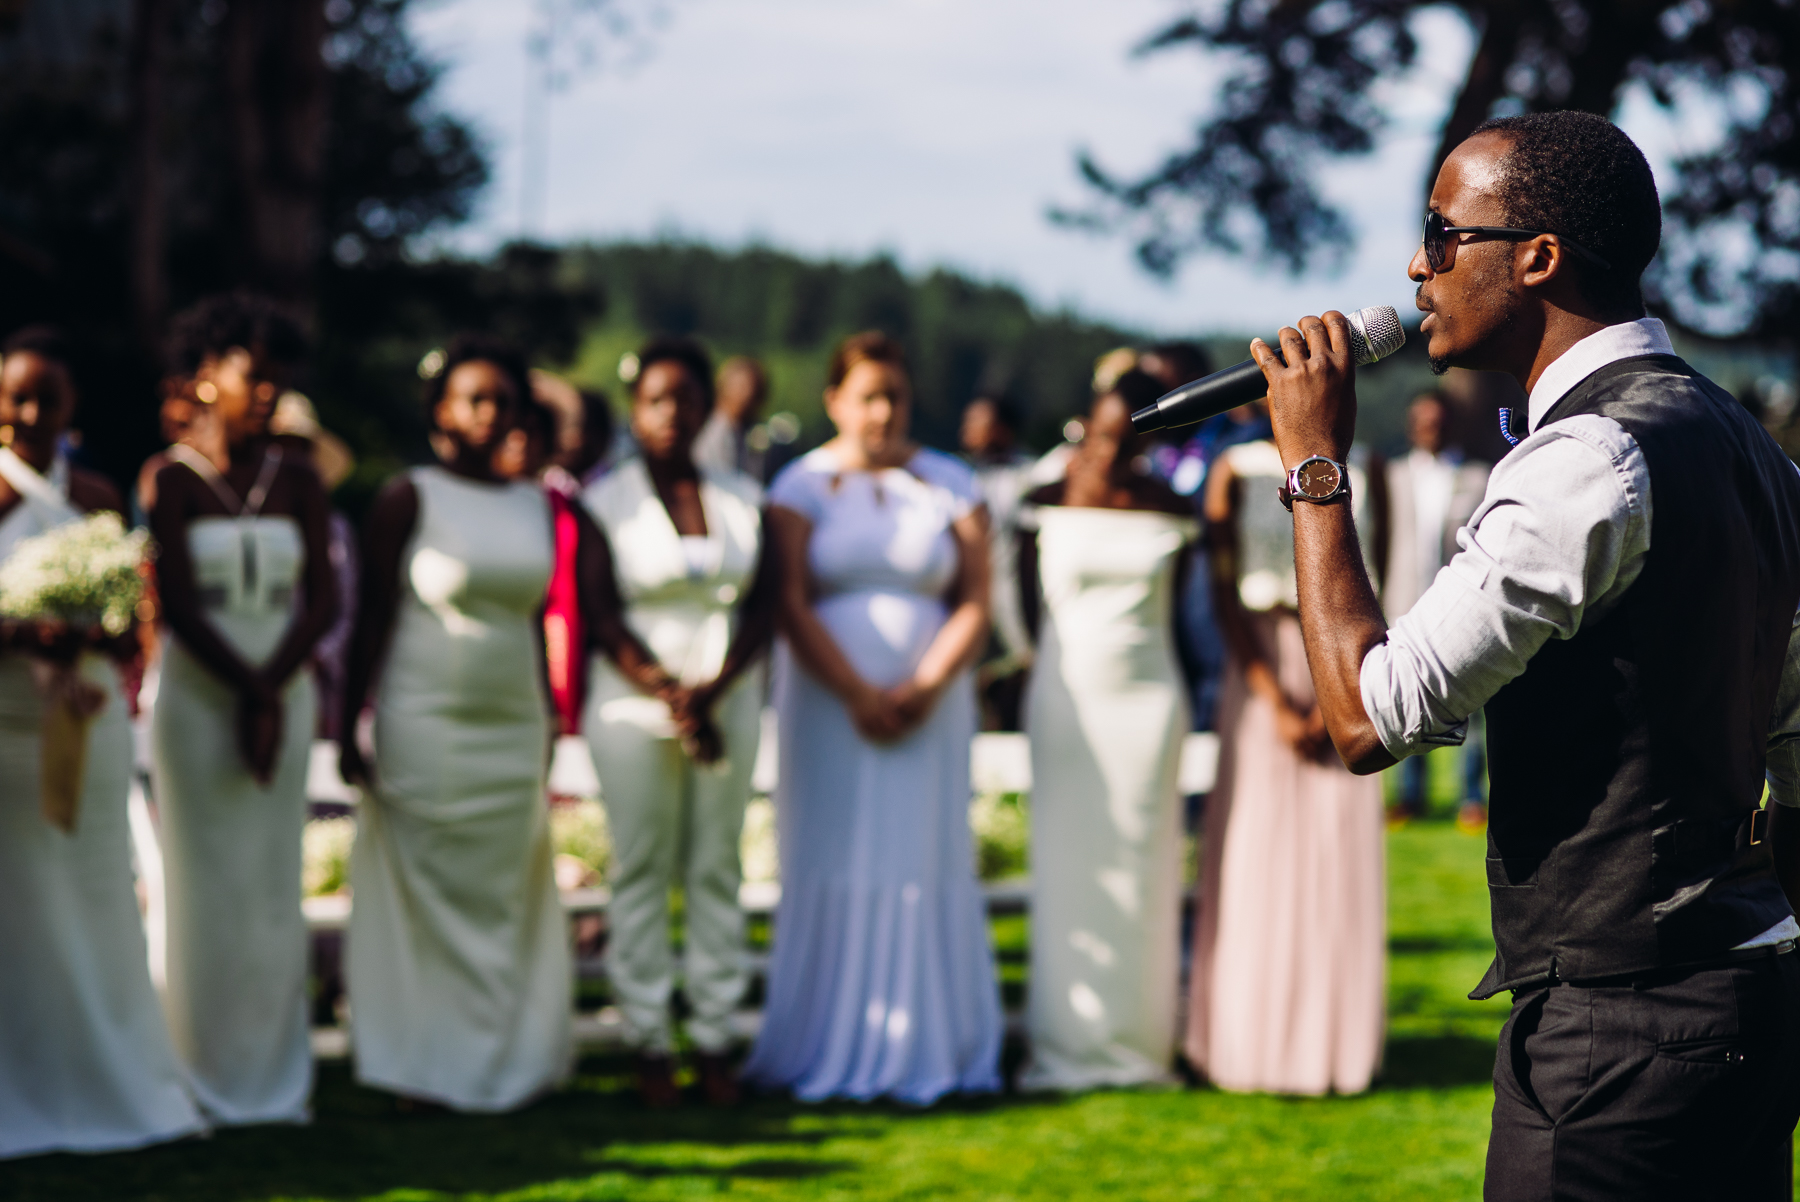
x: 1627, y: 340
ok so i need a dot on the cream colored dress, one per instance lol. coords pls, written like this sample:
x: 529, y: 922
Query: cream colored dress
x: 236, y: 990
x: 1290, y: 944
x: 458, y: 960
x: 674, y: 822
x: 1106, y: 715
x: 85, y: 1060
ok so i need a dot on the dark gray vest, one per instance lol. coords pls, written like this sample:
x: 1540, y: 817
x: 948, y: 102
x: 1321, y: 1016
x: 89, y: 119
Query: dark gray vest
x: 1625, y: 762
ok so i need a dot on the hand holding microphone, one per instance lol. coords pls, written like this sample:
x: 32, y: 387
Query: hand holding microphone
x: 1369, y: 334
x: 1312, y: 389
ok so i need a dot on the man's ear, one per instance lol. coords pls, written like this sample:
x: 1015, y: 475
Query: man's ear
x: 1542, y: 260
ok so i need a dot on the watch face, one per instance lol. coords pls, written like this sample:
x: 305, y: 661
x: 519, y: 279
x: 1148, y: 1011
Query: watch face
x: 1319, y: 478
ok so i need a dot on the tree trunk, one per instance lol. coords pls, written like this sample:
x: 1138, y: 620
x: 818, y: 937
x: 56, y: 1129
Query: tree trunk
x: 1486, y: 81
x: 275, y: 84
x: 149, y: 277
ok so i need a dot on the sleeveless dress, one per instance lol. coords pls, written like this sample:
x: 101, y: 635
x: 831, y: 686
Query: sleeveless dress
x: 674, y: 822
x: 881, y: 982
x: 236, y: 973
x: 1106, y: 714
x: 458, y: 960
x: 85, y: 1059
x: 1289, y: 971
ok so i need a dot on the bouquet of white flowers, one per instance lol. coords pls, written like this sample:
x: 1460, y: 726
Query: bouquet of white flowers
x: 84, y: 573
x: 83, y: 577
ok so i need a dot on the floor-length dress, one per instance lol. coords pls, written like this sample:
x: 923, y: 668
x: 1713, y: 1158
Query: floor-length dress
x: 1106, y: 715
x: 1289, y: 966
x: 85, y: 1059
x: 458, y: 961
x: 236, y: 988
x: 882, y: 981
x: 675, y: 822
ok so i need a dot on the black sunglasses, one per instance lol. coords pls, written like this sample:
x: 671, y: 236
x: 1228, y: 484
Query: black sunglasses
x: 1437, y: 240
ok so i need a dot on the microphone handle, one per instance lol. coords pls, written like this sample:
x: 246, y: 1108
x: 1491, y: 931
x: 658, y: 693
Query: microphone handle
x: 1206, y: 397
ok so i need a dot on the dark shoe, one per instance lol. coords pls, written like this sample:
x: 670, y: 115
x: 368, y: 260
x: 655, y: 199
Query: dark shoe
x: 656, y: 1082
x: 718, y: 1080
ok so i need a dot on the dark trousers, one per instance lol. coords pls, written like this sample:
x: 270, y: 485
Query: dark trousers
x: 1677, y: 1086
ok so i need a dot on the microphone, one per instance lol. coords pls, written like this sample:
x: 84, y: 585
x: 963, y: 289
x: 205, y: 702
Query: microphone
x: 1375, y: 333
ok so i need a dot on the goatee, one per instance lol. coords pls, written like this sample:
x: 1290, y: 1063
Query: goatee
x: 1439, y: 366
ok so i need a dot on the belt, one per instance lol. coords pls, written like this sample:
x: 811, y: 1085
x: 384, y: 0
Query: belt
x: 1662, y: 975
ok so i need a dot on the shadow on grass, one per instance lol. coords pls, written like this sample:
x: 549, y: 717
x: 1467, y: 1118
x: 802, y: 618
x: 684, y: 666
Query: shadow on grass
x: 1437, y: 1062
x: 359, y: 1146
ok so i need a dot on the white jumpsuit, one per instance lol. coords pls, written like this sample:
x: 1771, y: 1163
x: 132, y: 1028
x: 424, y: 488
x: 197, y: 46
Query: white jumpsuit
x: 675, y: 822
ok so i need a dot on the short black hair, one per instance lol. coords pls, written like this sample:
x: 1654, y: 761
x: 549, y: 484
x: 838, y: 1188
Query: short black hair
x: 1007, y: 410
x: 472, y: 346
x: 215, y: 324
x: 673, y: 348
x: 1137, y: 388
x: 46, y: 341
x: 1578, y: 175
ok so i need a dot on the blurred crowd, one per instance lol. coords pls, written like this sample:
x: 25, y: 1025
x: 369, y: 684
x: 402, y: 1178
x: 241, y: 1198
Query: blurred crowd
x: 645, y: 574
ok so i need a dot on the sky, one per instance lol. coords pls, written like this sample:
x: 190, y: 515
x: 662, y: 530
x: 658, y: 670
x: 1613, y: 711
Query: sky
x: 938, y: 131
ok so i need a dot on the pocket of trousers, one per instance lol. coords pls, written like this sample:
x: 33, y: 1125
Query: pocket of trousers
x: 1716, y: 1050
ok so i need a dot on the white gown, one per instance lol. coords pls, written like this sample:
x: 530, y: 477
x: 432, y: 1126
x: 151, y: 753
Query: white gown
x: 672, y: 821
x: 85, y: 1060
x: 236, y: 988
x: 458, y: 961
x: 1106, y: 715
x: 882, y: 982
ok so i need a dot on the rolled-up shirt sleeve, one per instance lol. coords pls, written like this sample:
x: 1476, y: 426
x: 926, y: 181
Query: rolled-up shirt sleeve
x: 1559, y: 537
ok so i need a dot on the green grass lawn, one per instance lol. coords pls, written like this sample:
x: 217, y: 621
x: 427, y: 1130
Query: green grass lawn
x: 1420, y: 1134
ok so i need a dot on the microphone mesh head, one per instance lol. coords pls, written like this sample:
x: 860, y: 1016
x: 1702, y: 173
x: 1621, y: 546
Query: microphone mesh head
x: 1378, y: 333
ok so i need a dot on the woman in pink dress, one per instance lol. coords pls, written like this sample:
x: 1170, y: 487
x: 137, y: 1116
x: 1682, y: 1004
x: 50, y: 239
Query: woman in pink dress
x: 1289, y: 966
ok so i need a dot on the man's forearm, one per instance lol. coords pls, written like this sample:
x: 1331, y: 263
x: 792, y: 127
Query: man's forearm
x: 1341, y: 620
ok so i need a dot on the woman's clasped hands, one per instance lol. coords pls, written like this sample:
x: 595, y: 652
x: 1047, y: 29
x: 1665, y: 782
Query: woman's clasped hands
x: 890, y: 714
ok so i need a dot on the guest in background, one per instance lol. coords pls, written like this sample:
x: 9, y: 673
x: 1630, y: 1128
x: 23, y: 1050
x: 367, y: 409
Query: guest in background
x: 1108, y: 712
x: 296, y: 425
x: 990, y: 430
x: 1289, y: 959
x: 458, y: 962
x: 682, y: 607
x: 244, y: 571
x: 1432, y: 493
x: 182, y: 418
x: 85, y: 1059
x: 882, y: 983
x: 726, y: 441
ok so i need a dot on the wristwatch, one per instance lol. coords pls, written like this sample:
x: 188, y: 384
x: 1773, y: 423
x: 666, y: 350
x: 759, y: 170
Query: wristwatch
x: 1316, y: 480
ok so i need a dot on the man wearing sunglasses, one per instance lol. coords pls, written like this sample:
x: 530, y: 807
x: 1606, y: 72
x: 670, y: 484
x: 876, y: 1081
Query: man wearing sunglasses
x: 1622, y: 603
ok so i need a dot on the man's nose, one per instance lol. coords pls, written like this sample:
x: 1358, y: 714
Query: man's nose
x: 1418, y: 270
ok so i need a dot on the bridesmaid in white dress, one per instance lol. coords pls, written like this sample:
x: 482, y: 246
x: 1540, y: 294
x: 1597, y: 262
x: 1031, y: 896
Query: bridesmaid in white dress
x: 882, y: 982
x: 85, y: 1060
x: 1106, y: 714
x: 457, y: 961
x: 683, y: 608
x: 244, y: 572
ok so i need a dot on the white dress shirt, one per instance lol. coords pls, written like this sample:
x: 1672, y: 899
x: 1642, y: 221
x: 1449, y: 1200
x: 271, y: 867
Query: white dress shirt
x: 1561, y: 534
